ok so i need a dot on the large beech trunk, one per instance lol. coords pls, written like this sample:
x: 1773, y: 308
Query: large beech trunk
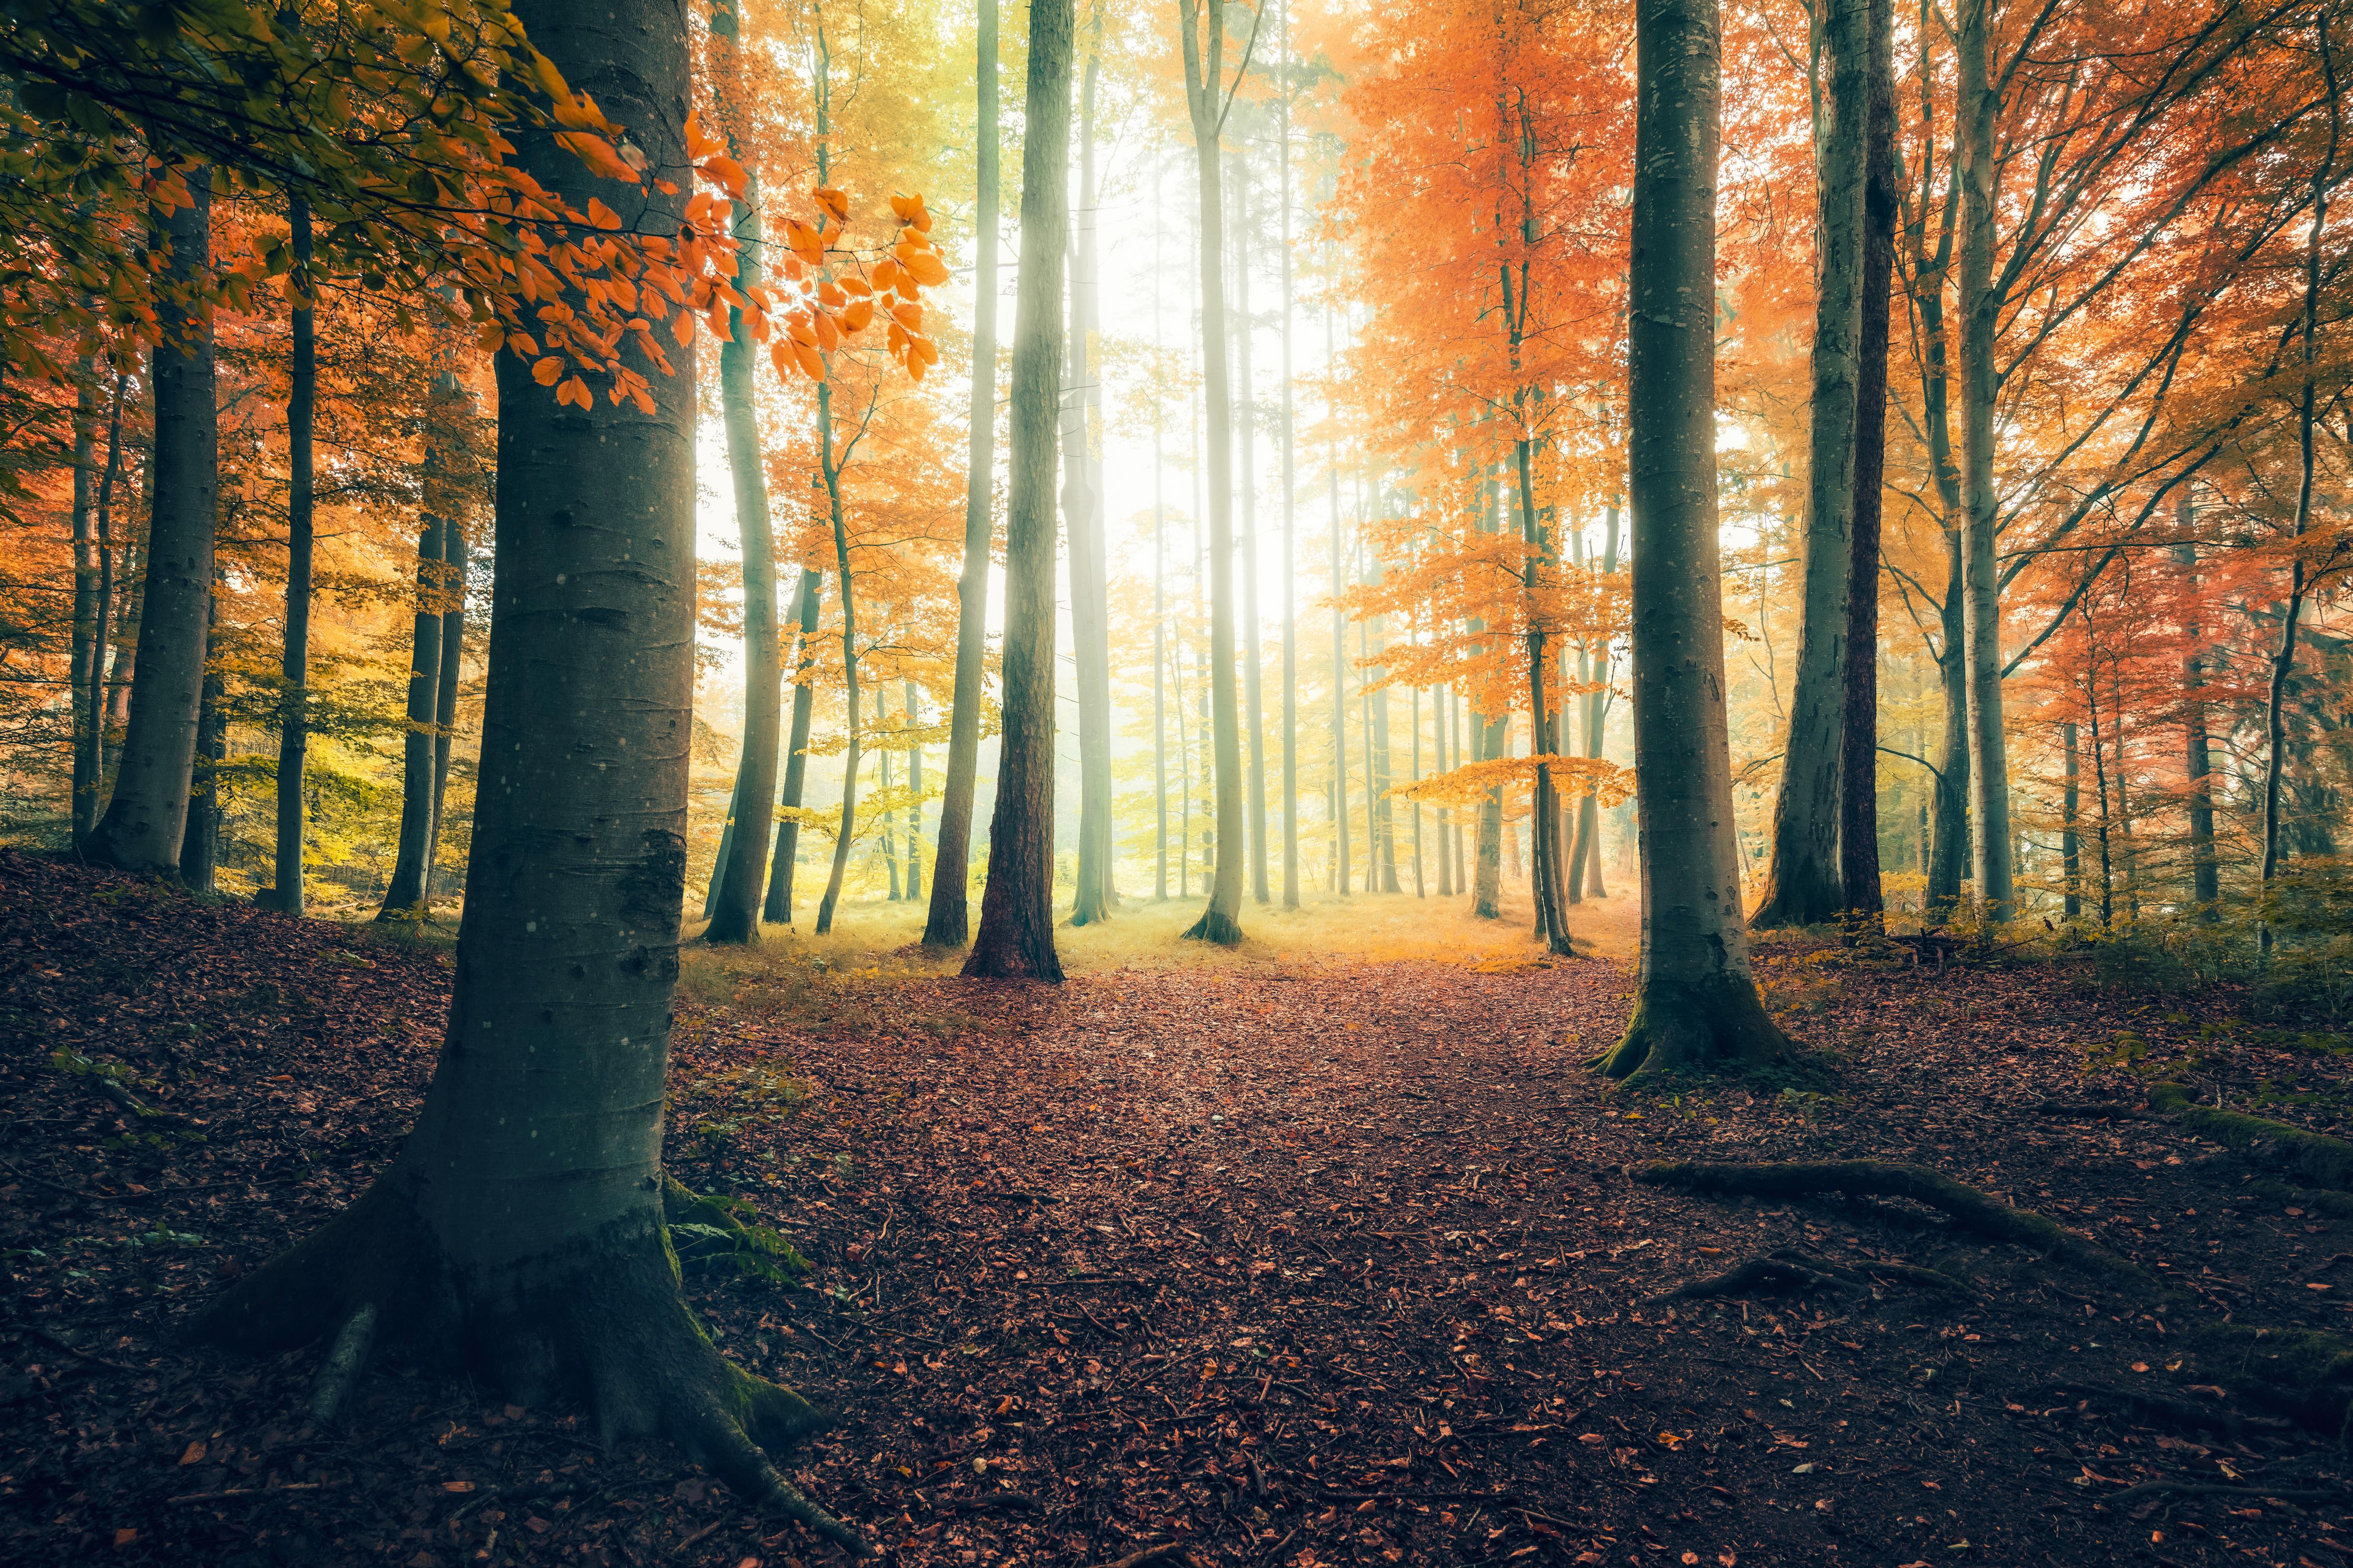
x: 1205, y: 93
x: 520, y: 1231
x: 1858, y: 834
x: 1695, y: 1002
x: 1801, y: 884
x: 1016, y: 939
x: 147, y: 818
x: 946, y: 922
x: 1082, y: 519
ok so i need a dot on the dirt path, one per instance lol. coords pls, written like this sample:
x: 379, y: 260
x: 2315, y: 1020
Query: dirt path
x: 1292, y: 1264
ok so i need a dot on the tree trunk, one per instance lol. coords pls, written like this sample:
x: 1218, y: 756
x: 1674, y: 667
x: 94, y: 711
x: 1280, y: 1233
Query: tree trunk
x: 1082, y: 504
x: 913, y: 715
x: 829, y: 461
x: 1948, y: 854
x: 2282, y: 661
x: 1857, y: 836
x: 294, y: 647
x: 1801, y: 879
x: 453, y: 649
x: 147, y: 818
x: 779, y: 909
x: 1487, y: 888
x: 1696, y: 1003
x: 1290, y: 511
x: 1204, y: 94
x: 2205, y: 872
x: 1441, y: 706
x: 1342, y: 875
x: 520, y: 1231
x: 1016, y: 939
x: 1980, y: 385
x: 405, y: 898
x: 88, y: 654
x: 2071, y: 843
x: 946, y: 923
x: 735, y: 916
x: 1544, y: 817
x: 1246, y: 435
x: 200, y: 844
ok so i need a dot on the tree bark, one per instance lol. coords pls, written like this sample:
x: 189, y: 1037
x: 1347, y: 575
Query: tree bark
x: 735, y: 917
x: 1857, y: 836
x: 1016, y: 939
x: 946, y: 922
x: 1695, y: 1002
x: 778, y: 908
x: 830, y: 463
x: 912, y: 712
x: 1083, y: 505
x: 2070, y: 842
x: 86, y: 659
x: 521, y: 1230
x: 405, y: 897
x: 200, y: 844
x: 1289, y: 512
x: 2205, y: 872
x: 1980, y: 519
x: 1340, y: 879
x: 453, y: 649
x: 294, y: 646
x: 1246, y: 437
x: 89, y: 756
x: 1801, y: 879
x: 147, y: 819
x: 1205, y: 93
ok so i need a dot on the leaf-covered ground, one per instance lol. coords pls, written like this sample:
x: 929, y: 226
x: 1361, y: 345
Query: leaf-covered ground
x: 1279, y: 1261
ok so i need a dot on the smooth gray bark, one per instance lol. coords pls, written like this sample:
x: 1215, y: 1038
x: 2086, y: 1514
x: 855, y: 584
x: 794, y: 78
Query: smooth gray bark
x: 294, y: 643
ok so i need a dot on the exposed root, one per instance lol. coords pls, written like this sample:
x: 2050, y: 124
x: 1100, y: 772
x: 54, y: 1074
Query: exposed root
x: 1964, y: 1205
x: 2304, y: 1373
x: 2220, y: 1488
x: 1712, y: 1026
x: 345, y: 1361
x: 1784, y: 1270
x: 2153, y: 1409
x: 1221, y: 929
x: 2327, y: 1161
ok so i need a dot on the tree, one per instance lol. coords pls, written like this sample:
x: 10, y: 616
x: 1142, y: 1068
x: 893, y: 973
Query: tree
x: 294, y: 658
x: 1802, y: 882
x: 779, y: 909
x: 944, y: 924
x: 1016, y: 939
x: 146, y: 821
x: 1208, y: 101
x: 1695, y: 1002
x: 1083, y: 512
x: 407, y: 894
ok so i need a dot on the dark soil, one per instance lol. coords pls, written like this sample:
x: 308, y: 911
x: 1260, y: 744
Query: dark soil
x: 1299, y: 1266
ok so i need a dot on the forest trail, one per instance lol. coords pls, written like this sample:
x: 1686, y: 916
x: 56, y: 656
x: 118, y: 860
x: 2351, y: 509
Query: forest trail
x: 1286, y: 1263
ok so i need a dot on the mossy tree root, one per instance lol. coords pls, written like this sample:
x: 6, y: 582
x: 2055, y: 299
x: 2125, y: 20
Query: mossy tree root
x: 603, y: 1322
x: 1786, y: 1269
x: 2328, y: 1161
x: 1964, y: 1205
x: 1714, y: 1025
x: 1221, y: 929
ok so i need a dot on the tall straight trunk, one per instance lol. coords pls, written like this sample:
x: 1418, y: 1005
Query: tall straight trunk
x: 1159, y: 610
x: 2099, y: 769
x: 889, y: 844
x: 1205, y: 93
x: 1544, y: 819
x: 1383, y: 769
x: 406, y: 897
x: 1246, y: 435
x: 200, y: 845
x: 1487, y: 885
x: 777, y: 909
x: 1801, y: 878
x: 2197, y: 764
x: 1290, y: 509
x: 1949, y: 855
x: 122, y: 673
x: 294, y: 645
x: 1414, y: 700
x: 735, y: 909
x: 445, y: 698
x: 147, y: 819
x: 2282, y: 661
x: 1858, y: 836
x: 1695, y: 1001
x: 90, y: 760
x: 1341, y: 873
x: 520, y: 1229
x: 81, y: 682
x: 1082, y: 521
x: 1016, y: 939
x: 1586, y: 856
x: 946, y: 923
x: 910, y: 706
x: 2071, y: 843
x: 1980, y: 516
x: 1441, y: 707
x: 830, y: 459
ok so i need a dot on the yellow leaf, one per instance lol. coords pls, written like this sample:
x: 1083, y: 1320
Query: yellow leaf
x: 928, y: 269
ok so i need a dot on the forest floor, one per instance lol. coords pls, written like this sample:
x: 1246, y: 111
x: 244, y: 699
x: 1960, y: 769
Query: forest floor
x: 1322, y: 1252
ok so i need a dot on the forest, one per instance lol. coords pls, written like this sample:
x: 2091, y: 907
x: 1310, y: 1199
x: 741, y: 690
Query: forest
x: 1131, y: 785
